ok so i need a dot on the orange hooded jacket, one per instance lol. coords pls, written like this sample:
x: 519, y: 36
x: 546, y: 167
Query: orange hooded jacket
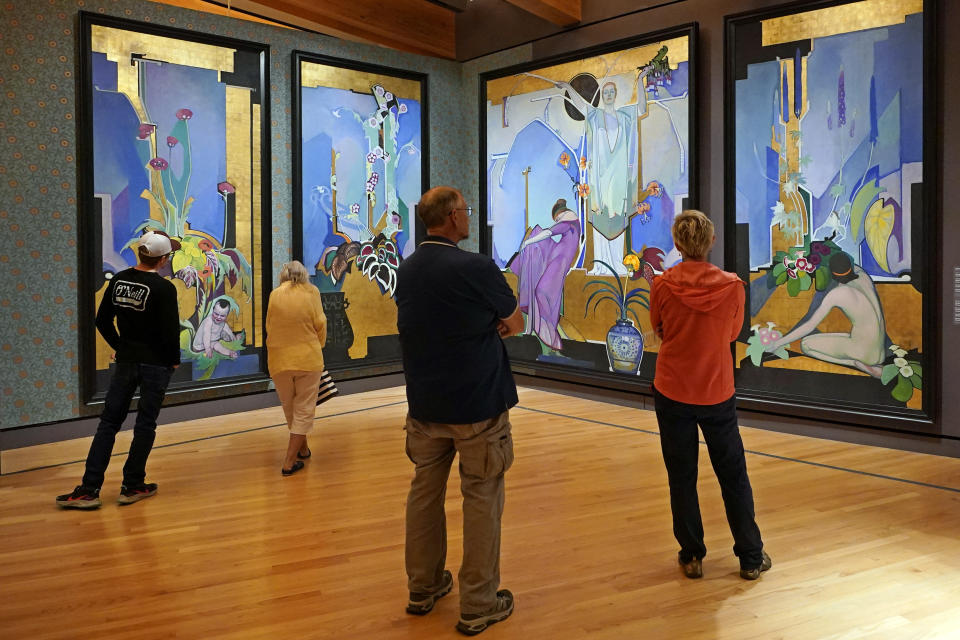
x: 697, y: 309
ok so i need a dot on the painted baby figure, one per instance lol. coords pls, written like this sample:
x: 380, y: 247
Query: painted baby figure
x: 213, y: 330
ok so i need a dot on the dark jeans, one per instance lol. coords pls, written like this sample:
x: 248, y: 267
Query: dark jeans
x: 152, y: 380
x: 678, y: 439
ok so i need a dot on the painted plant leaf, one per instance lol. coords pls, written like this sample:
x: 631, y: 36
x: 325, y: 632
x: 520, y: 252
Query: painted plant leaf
x: 903, y: 391
x: 877, y: 227
x: 889, y: 372
x: 865, y: 197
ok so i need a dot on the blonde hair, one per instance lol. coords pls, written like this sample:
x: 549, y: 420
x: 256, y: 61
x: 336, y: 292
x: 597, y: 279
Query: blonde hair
x: 693, y: 234
x: 436, y: 204
x: 294, y: 272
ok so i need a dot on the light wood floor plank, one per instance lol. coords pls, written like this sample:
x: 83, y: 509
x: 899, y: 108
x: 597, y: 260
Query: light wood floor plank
x: 230, y: 549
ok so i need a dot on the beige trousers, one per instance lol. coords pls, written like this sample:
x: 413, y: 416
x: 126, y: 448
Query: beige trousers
x: 486, y: 452
x: 298, y: 396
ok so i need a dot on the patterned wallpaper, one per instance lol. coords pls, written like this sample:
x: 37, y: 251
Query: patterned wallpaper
x: 39, y: 351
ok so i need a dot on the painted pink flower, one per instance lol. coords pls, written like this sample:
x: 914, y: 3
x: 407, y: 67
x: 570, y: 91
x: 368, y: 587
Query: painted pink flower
x: 145, y: 131
x: 205, y: 245
x: 802, y: 263
x: 371, y: 157
x: 791, y: 272
x: 225, y: 187
x: 403, y: 108
x: 172, y: 142
x: 184, y: 114
x: 814, y: 259
x: 159, y: 164
x: 355, y: 208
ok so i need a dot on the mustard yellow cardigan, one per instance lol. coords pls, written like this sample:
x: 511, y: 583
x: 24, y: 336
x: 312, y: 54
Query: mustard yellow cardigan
x: 296, y: 328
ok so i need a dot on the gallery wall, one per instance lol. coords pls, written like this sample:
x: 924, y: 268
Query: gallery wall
x: 709, y: 14
x: 38, y: 253
x: 39, y: 337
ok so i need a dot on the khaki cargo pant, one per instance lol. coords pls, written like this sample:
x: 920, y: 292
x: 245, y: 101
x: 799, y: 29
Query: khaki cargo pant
x: 486, y: 452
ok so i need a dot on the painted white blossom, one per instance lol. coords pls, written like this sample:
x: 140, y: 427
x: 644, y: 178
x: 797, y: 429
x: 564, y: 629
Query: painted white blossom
x: 900, y: 362
x: 906, y: 371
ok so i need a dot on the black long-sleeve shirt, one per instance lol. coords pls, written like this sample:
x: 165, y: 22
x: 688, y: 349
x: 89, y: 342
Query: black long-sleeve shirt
x: 145, y: 306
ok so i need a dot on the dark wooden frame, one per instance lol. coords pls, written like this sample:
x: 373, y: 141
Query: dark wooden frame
x: 600, y: 379
x: 360, y: 369
x: 87, y: 235
x: 907, y: 420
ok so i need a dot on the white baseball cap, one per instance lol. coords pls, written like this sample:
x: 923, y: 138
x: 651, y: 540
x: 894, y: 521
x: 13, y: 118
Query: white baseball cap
x: 156, y: 243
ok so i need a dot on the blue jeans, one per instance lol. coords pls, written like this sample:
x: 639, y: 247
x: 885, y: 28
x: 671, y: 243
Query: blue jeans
x: 678, y: 438
x: 152, y: 380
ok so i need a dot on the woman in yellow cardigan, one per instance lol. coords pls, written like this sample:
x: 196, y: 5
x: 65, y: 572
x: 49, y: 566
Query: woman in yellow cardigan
x: 296, y: 332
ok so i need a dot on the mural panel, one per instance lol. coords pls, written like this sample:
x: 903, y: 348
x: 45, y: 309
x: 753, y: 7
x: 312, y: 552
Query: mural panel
x: 360, y: 167
x: 587, y: 159
x: 172, y: 125
x: 828, y: 206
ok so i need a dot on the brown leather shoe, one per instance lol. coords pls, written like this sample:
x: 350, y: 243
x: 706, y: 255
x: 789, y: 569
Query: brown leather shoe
x: 692, y: 569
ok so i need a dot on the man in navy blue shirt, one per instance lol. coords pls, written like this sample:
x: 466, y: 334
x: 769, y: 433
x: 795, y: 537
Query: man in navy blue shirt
x: 453, y: 309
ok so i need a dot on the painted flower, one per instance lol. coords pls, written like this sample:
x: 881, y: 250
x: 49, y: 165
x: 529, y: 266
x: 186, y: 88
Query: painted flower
x: 583, y: 190
x: 900, y: 362
x: 395, y: 219
x: 370, y: 187
x: 355, y: 207
x: 372, y: 122
x: 388, y: 96
x: 371, y: 157
x: 205, y: 245
x: 374, y: 177
x: 378, y: 152
x: 814, y: 259
x: 564, y: 159
x: 907, y: 371
x: 145, y: 131
x: 159, y: 164
x: 655, y: 189
x: 900, y: 353
x: 377, y: 89
x: 894, y: 347
x: 206, y: 272
x: 791, y: 272
x: 184, y: 114
x: 583, y: 162
x: 172, y: 142
x: 225, y: 187
x: 403, y: 108
x: 632, y: 262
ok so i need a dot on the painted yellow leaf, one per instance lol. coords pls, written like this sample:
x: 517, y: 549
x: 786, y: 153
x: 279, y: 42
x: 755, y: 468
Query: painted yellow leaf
x: 877, y: 226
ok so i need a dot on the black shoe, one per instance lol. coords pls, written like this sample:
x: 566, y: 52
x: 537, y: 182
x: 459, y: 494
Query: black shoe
x: 135, y: 493
x: 81, y: 498
x: 292, y: 470
x: 753, y: 574
x: 304, y: 456
x: 473, y: 623
x: 692, y: 569
x: 422, y: 603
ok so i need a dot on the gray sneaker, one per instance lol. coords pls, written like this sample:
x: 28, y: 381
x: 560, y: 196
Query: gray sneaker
x: 422, y: 603
x: 473, y: 623
x: 753, y: 574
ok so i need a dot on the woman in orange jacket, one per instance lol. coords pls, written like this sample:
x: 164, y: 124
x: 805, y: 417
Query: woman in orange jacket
x: 697, y: 310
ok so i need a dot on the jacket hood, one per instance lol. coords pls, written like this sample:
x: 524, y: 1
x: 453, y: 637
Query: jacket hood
x: 700, y: 286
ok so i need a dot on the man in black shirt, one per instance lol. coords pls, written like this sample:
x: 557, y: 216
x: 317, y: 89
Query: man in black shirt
x: 147, y: 351
x: 453, y: 308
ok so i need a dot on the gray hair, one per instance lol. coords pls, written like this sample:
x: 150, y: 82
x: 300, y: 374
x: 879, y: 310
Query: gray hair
x: 294, y: 272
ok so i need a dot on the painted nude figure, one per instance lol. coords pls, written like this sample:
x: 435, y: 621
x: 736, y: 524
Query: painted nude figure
x: 856, y: 297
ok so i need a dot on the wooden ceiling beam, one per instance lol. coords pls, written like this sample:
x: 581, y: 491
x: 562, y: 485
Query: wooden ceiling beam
x: 415, y: 26
x: 564, y: 13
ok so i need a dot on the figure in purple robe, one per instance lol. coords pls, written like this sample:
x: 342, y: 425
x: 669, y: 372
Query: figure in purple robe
x: 541, y: 265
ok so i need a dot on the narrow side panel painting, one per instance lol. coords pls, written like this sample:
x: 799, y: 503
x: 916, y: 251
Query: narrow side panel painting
x: 174, y: 127
x: 360, y: 167
x: 828, y: 209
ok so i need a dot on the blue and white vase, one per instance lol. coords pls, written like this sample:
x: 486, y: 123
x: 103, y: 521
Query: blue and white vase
x: 624, y: 347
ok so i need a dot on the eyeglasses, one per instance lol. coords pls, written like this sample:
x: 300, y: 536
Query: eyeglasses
x: 469, y: 210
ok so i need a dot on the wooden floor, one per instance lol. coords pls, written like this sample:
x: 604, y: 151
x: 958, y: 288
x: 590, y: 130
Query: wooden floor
x: 863, y: 540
